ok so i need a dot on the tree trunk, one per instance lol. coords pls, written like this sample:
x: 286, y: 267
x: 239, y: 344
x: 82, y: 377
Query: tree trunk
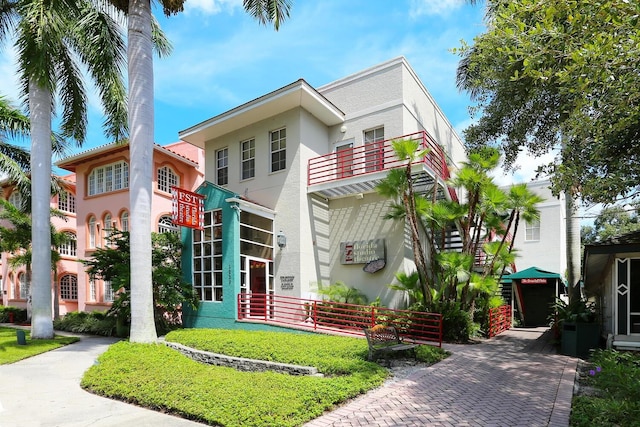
x: 141, y: 116
x: 40, y: 113
x: 573, y: 247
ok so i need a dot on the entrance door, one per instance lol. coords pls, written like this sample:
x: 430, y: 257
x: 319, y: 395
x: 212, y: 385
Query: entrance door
x: 628, y: 296
x: 257, y: 273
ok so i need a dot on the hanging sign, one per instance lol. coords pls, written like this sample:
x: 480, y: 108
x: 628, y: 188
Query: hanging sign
x: 538, y: 281
x: 188, y: 208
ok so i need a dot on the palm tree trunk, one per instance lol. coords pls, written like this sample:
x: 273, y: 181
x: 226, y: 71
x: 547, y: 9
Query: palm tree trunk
x: 40, y: 111
x: 573, y: 247
x: 141, y: 127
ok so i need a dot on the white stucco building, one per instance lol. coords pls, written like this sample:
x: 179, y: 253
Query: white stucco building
x: 301, y: 164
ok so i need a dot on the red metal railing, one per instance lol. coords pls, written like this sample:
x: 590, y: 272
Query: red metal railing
x: 499, y: 320
x: 338, y: 317
x: 375, y: 157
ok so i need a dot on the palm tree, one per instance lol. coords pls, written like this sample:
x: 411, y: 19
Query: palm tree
x: 14, y: 160
x: 141, y: 125
x: 53, y: 38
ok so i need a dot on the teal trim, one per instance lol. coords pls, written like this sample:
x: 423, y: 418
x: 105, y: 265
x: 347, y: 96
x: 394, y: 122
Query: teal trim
x: 226, y: 310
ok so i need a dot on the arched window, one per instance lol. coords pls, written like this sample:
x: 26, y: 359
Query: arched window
x: 69, y: 287
x: 92, y: 289
x: 107, y: 229
x: 167, y: 178
x: 70, y: 247
x: 124, y: 221
x: 15, y: 199
x: 93, y: 232
x: 24, y: 286
x: 166, y: 225
x: 12, y: 287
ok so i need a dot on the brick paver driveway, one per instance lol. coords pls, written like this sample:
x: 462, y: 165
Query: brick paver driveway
x: 511, y: 380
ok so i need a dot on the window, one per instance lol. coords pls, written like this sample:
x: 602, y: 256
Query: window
x: 70, y: 247
x: 207, y: 258
x: 67, y: 202
x: 167, y: 179
x: 278, y: 140
x: 166, y: 225
x: 124, y: 221
x: 344, y: 160
x: 12, y: 289
x: 374, y: 149
x: 92, y: 289
x: 69, y: 287
x: 107, y: 229
x: 15, y: 199
x: 107, y: 178
x: 532, y: 231
x: 108, y: 291
x: 222, y: 166
x: 24, y: 286
x: 248, y: 158
x: 93, y: 232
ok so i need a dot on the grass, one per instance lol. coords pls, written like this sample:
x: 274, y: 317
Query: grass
x: 11, y: 351
x: 160, y: 378
x: 615, y: 377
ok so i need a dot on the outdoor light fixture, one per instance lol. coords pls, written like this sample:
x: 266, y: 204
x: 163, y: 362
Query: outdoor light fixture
x: 281, y: 239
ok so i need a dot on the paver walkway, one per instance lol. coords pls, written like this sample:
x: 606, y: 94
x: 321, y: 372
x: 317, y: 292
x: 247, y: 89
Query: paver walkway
x: 508, y: 381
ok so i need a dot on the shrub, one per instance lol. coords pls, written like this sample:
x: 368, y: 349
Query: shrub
x: 19, y: 314
x: 95, y: 322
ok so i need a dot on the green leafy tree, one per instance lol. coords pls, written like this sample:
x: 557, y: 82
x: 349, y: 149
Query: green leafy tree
x: 170, y: 291
x: 141, y: 125
x: 53, y: 40
x: 612, y: 221
x: 560, y: 75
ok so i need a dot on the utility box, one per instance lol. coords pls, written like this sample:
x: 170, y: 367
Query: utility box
x: 22, y: 337
x: 578, y: 338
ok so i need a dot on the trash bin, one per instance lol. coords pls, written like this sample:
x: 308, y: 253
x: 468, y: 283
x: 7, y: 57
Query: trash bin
x: 578, y: 338
x: 22, y: 338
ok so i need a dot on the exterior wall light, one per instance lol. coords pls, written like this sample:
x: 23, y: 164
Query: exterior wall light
x: 281, y: 239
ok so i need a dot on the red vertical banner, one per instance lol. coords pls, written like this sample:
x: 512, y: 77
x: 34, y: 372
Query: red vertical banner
x: 188, y: 208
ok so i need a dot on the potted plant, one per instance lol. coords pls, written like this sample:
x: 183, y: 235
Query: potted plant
x: 578, y: 326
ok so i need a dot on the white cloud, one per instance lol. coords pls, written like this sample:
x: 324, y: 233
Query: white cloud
x: 524, y: 169
x: 434, y: 7
x: 211, y: 7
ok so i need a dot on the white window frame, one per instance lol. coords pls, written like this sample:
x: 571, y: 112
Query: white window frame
x: 532, y: 231
x: 107, y: 292
x: 107, y: 178
x: 24, y: 286
x: 124, y: 221
x: 248, y: 159
x: 107, y: 229
x: 166, y: 225
x: 278, y: 150
x: 167, y: 178
x: 15, y: 199
x: 70, y: 247
x: 92, y: 290
x: 67, y: 202
x: 92, y: 225
x: 222, y: 166
x: 374, y: 154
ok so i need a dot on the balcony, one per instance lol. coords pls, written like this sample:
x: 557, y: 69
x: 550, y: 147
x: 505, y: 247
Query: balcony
x: 359, y: 169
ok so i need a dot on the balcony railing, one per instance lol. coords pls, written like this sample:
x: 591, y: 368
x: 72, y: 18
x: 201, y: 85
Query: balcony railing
x: 375, y: 157
x: 337, y: 317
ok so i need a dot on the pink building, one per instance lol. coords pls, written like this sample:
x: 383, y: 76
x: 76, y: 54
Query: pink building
x: 97, y: 201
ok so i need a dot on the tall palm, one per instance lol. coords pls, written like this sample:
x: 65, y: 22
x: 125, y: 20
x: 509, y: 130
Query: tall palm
x: 53, y: 39
x: 141, y: 125
x: 14, y: 160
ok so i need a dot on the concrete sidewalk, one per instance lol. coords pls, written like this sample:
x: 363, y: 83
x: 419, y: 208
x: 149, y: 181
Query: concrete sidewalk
x: 508, y: 381
x: 44, y: 391
x: 511, y: 380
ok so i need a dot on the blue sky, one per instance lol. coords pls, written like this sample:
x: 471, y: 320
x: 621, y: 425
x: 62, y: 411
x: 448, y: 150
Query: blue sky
x: 222, y: 57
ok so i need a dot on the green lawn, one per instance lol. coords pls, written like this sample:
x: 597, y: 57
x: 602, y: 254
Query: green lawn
x: 158, y: 377
x: 11, y: 351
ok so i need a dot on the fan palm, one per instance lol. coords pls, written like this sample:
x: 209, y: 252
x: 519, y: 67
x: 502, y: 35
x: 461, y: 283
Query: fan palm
x: 53, y: 40
x: 141, y: 116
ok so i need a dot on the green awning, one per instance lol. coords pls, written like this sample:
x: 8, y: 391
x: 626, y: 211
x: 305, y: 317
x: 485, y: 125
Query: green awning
x: 532, y: 273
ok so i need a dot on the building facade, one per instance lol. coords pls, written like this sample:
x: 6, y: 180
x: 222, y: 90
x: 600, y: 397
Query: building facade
x: 96, y: 202
x: 290, y: 199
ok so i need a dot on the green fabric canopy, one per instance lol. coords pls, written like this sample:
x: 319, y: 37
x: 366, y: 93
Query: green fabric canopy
x: 532, y: 273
